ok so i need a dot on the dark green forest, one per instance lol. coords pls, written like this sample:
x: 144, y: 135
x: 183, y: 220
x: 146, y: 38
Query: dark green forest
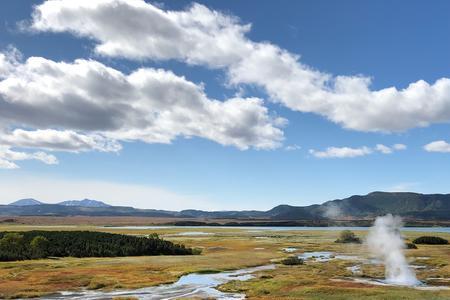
x: 430, y: 240
x: 43, y: 244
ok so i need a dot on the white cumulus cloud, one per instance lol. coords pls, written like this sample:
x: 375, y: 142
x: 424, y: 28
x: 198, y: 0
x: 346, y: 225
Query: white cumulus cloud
x: 199, y: 35
x: 438, y: 146
x: 81, y: 105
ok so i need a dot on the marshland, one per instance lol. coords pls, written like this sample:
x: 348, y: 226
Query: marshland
x: 327, y: 270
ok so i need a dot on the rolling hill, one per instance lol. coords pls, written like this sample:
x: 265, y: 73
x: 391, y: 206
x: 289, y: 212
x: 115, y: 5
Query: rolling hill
x: 409, y: 205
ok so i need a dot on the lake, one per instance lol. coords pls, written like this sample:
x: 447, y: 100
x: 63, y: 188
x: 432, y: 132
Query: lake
x: 282, y: 228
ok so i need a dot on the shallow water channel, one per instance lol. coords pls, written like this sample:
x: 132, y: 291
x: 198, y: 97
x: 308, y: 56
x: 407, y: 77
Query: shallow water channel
x: 191, y: 285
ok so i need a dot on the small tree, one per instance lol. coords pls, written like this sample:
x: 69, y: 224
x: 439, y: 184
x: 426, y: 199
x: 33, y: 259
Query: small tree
x: 292, y: 261
x: 348, y: 236
x: 153, y: 235
x: 411, y: 246
x: 39, y: 246
x: 197, y: 251
x: 12, y: 246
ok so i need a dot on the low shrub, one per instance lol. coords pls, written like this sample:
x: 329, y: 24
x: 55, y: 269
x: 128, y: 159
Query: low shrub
x: 411, y: 246
x: 197, y: 251
x: 292, y: 261
x: 430, y: 240
x: 208, y: 271
x: 348, y: 236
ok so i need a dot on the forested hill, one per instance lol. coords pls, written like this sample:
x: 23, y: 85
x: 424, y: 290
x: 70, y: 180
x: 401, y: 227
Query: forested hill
x: 410, y: 205
x: 424, y: 206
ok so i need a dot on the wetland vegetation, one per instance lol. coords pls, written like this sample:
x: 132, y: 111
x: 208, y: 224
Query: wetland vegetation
x: 227, y: 249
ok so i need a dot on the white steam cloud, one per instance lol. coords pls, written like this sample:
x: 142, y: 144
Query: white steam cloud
x: 385, y: 242
x: 332, y: 211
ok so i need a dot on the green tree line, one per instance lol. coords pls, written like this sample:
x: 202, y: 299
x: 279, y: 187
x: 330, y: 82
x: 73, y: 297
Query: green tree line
x: 42, y: 244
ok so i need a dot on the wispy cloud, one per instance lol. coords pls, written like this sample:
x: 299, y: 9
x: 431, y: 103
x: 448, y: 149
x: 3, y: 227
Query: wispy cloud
x: 8, y: 157
x: 348, y: 152
x: 399, y: 147
x: 404, y: 187
x: 293, y: 147
x: 341, y: 152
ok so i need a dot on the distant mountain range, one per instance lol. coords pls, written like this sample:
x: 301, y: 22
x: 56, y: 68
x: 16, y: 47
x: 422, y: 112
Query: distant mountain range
x: 84, y: 203
x: 81, y: 203
x: 410, y: 205
x: 26, y: 202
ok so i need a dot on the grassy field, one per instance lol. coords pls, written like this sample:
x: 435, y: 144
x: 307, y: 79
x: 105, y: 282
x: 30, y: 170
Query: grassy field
x: 226, y: 249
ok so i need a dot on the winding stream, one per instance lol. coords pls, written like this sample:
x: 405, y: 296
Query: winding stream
x: 191, y: 285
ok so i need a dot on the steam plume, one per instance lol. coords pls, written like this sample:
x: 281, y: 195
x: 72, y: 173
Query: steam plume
x: 332, y: 211
x: 385, y: 242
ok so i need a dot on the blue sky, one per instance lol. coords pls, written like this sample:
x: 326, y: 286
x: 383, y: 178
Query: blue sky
x: 392, y: 43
